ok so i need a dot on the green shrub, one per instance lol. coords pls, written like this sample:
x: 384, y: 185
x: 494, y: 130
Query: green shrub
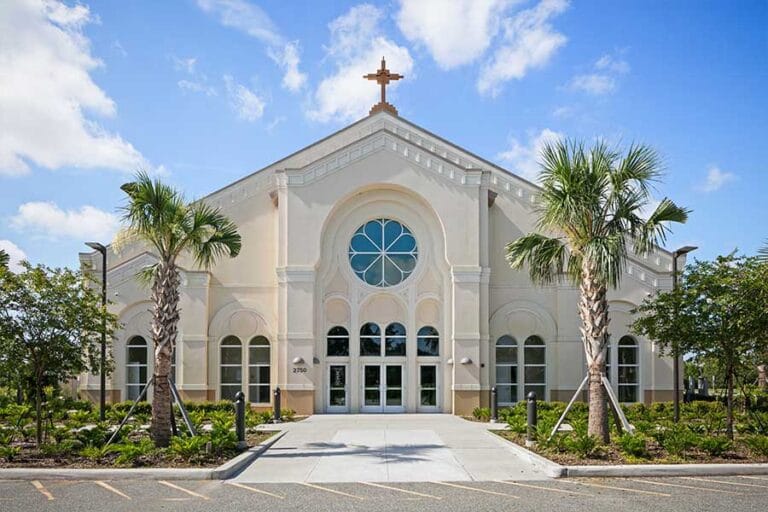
x: 9, y: 452
x: 289, y: 414
x: 95, y: 452
x: 677, y: 440
x: 130, y: 453
x: 715, y: 446
x: 582, y: 444
x: 633, y: 444
x: 757, y: 444
x: 95, y: 436
x: 482, y: 413
x: 188, y: 448
x: 518, y: 424
x: 223, y: 438
x: 6, y: 436
x: 64, y: 448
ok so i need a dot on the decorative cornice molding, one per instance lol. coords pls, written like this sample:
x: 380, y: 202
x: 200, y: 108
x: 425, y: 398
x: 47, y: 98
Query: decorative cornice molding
x: 295, y: 274
x: 467, y: 274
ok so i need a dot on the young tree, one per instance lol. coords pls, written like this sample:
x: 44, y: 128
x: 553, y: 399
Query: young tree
x: 159, y: 216
x: 592, y: 204
x: 718, y: 313
x: 50, y: 325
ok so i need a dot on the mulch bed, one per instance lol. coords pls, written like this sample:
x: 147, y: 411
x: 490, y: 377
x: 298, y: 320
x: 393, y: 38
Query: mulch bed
x: 611, y: 455
x: 31, y: 458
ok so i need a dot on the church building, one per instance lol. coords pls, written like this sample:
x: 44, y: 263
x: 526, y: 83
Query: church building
x: 372, y: 278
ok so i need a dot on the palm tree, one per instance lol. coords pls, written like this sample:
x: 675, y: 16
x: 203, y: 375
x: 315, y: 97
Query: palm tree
x: 591, y: 203
x: 158, y: 215
x: 762, y: 252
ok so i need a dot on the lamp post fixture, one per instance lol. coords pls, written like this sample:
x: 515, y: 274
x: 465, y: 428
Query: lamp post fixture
x: 676, y: 364
x: 103, y: 378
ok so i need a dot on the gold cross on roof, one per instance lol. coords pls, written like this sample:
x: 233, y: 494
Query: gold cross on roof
x: 383, y: 77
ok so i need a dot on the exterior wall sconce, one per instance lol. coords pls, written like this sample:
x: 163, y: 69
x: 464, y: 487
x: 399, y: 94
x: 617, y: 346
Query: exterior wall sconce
x: 298, y: 360
x: 449, y: 361
x: 465, y: 360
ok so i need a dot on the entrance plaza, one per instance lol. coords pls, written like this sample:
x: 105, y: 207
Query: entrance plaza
x: 388, y: 448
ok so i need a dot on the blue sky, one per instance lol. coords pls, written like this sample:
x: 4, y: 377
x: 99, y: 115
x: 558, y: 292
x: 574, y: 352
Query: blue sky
x: 207, y: 91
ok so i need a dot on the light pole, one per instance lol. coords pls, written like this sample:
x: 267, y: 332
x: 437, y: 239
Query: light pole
x: 676, y: 364
x: 103, y: 382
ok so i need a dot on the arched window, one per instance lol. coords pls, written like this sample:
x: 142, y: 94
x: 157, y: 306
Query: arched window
x: 394, y: 340
x: 608, y: 361
x: 337, y: 342
x: 535, y: 370
x: 258, y: 370
x: 506, y: 370
x: 135, y: 367
x: 628, y: 367
x: 370, y: 340
x: 428, y: 341
x: 231, y: 368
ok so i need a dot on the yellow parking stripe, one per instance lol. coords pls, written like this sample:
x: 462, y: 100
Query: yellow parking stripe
x: 682, y: 486
x: 252, y: 489
x: 191, y: 493
x: 449, y: 484
x: 334, y: 491
x: 724, y: 482
x: 402, y: 490
x: 108, y: 487
x: 543, y: 488
x: 42, y: 490
x: 628, y: 489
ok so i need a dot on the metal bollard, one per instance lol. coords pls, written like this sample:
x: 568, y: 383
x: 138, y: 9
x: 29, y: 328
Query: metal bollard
x: 494, y: 405
x: 240, y: 420
x: 276, y: 418
x: 530, y: 438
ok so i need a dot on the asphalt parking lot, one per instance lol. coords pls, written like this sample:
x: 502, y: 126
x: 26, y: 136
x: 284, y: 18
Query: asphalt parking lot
x: 695, y: 494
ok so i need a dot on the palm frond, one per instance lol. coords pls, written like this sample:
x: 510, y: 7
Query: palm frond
x: 545, y: 257
x: 654, y: 231
x: 762, y: 253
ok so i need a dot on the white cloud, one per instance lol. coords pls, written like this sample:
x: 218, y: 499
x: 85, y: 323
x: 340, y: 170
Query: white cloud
x: 15, y: 253
x: 594, y: 83
x: 252, y: 20
x: 187, y: 65
x: 564, y: 112
x: 47, y: 90
x: 356, y: 47
x: 192, y: 86
x: 716, y: 179
x: 46, y: 219
x: 523, y: 157
x: 529, y: 42
x: 248, y: 105
x: 455, y: 32
x: 604, y: 77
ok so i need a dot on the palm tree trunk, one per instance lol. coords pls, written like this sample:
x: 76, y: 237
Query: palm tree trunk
x: 593, y: 310
x: 165, y: 319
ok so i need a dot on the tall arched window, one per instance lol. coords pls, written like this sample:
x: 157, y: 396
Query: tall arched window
x: 506, y: 370
x: 394, y: 340
x: 337, y: 342
x: 428, y: 341
x: 535, y: 370
x: 135, y: 367
x: 628, y: 367
x: 370, y: 340
x: 231, y: 368
x: 258, y: 370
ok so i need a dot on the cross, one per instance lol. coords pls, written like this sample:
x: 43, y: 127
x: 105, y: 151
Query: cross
x: 383, y: 77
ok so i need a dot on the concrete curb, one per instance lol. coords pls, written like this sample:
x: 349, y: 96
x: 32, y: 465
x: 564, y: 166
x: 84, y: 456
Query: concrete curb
x: 222, y: 472
x: 234, y: 466
x: 542, y: 464
x: 651, y: 470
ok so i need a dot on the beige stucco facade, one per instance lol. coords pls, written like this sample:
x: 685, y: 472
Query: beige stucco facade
x: 293, y: 282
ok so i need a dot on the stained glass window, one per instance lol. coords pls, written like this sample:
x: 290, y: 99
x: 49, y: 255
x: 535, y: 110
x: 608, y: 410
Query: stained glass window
x: 383, y: 252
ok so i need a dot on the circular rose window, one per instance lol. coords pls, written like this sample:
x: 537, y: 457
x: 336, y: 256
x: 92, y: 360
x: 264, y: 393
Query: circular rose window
x: 383, y: 252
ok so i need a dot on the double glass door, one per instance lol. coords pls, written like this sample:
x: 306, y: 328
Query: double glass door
x: 383, y: 389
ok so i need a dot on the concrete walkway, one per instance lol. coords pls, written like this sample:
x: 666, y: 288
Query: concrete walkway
x: 387, y: 448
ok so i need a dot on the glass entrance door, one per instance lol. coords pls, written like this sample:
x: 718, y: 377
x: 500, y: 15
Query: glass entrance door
x: 428, y: 391
x: 383, y: 388
x: 337, y: 388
